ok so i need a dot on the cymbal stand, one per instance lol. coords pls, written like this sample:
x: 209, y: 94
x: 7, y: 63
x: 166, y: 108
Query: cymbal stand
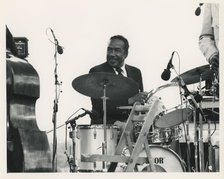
x: 104, y: 144
x: 211, y: 166
x: 201, y: 145
x: 188, y: 146
x: 195, y: 142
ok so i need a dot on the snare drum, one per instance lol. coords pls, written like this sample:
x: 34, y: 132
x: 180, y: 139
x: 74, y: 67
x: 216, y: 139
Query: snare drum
x: 166, y: 135
x: 89, y: 140
x: 165, y: 160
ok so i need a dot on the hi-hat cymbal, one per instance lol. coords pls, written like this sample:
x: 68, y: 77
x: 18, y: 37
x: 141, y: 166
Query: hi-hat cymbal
x: 117, y: 86
x: 194, y: 75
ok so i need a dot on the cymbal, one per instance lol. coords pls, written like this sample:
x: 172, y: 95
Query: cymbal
x: 117, y: 86
x: 173, y: 118
x: 193, y: 76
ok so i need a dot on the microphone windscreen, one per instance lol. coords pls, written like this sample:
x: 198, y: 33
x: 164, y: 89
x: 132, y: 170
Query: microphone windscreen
x: 165, y: 75
x: 60, y: 49
x: 198, y: 11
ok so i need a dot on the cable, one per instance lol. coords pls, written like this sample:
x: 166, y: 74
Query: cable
x: 66, y: 120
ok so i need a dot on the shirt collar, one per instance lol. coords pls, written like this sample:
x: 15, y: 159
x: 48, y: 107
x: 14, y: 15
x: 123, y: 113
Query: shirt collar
x: 123, y: 69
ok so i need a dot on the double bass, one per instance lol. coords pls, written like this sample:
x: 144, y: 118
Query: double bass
x: 28, y: 148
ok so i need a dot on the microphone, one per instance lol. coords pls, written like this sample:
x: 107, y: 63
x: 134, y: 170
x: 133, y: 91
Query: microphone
x: 87, y: 111
x: 59, y: 48
x: 166, y: 73
x: 194, y: 96
x: 198, y: 10
x: 80, y: 115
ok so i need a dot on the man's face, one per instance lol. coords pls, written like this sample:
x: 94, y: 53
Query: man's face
x: 116, y: 53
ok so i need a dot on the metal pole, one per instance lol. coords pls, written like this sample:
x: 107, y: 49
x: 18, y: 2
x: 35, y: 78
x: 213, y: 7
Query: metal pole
x: 104, y: 144
x: 201, y: 145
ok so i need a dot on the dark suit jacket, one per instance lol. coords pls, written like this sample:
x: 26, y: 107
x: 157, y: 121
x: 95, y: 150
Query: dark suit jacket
x: 113, y: 114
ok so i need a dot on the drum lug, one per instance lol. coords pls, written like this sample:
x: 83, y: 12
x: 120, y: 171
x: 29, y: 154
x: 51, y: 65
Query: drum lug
x: 94, y: 133
x: 77, y: 134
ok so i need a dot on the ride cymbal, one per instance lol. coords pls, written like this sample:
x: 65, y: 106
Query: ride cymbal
x: 194, y: 75
x: 117, y: 86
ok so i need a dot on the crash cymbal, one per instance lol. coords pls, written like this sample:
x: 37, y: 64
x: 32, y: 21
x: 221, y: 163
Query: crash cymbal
x: 117, y: 86
x: 193, y: 76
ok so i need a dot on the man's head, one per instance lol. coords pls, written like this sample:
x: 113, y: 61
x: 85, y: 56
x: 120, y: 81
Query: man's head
x: 117, y: 51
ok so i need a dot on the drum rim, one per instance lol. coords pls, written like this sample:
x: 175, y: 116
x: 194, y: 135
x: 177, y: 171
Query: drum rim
x: 182, y: 162
x: 96, y: 126
x: 155, y: 90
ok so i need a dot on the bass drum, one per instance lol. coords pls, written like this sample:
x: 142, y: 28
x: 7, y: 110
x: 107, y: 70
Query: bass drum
x: 89, y: 140
x: 165, y: 160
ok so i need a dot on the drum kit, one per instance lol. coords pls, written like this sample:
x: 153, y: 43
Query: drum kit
x: 103, y: 139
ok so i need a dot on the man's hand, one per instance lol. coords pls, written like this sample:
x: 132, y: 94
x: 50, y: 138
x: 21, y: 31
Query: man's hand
x: 140, y: 97
x: 120, y: 125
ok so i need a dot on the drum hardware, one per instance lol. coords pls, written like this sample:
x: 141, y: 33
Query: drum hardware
x: 127, y: 140
x: 195, y: 75
x: 141, y: 142
x: 211, y: 163
x: 188, y: 146
x: 195, y: 143
x: 198, y: 75
x: 104, y: 85
x: 104, y: 144
x: 201, y: 145
x: 71, y: 159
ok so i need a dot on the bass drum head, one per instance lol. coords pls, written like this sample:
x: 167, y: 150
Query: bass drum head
x: 165, y: 160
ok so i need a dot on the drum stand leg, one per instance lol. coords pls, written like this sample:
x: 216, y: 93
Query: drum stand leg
x: 72, y: 161
x: 195, y: 142
x: 201, y: 144
x: 188, y: 147
x: 211, y: 162
x: 211, y: 157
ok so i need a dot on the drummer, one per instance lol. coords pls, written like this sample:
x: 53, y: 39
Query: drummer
x: 117, y: 52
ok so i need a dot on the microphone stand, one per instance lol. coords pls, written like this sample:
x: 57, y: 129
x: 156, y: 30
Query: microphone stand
x: 55, y: 110
x: 198, y: 108
x: 181, y: 84
x: 72, y: 160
